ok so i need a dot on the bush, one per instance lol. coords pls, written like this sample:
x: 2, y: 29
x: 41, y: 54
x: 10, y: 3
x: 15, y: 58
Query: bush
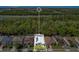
x: 39, y: 48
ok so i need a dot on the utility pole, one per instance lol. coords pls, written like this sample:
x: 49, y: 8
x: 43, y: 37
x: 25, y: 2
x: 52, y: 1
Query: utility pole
x: 38, y: 25
x: 39, y: 41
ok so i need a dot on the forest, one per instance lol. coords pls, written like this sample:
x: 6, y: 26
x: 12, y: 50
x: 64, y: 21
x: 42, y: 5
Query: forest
x: 64, y: 22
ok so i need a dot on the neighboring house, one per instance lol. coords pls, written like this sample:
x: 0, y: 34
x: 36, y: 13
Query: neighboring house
x: 6, y: 40
x: 48, y: 41
x: 28, y: 40
x: 18, y: 39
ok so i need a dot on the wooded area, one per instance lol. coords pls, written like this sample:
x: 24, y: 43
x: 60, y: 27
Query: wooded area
x: 64, y: 22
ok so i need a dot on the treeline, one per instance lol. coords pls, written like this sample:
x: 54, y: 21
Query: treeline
x: 45, y: 11
x: 64, y: 25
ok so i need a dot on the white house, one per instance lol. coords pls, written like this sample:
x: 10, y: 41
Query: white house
x: 39, y: 39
